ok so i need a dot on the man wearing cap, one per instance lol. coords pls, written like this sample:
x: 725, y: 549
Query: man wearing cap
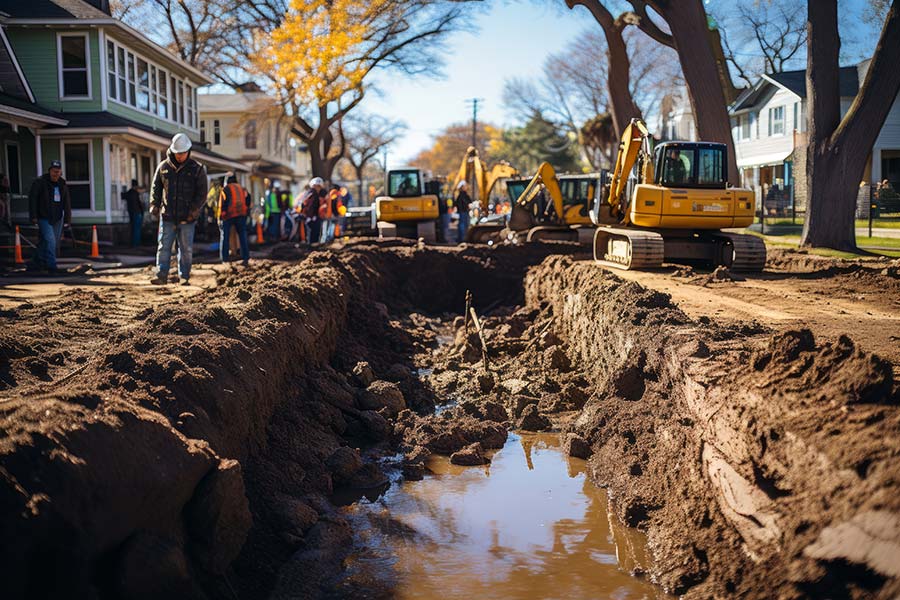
x: 49, y: 206
x: 177, y: 196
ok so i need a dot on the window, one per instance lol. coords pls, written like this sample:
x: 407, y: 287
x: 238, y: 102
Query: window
x: 710, y: 166
x: 202, y: 132
x: 120, y: 74
x: 129, y: 73
x: 143, y: 80
x: 13, y: 167
x: 173, y: 90
x: 154, y: 94
x: 77, y: 172
x: 776, y: 121
x: 250, y: 135
x: 755, y: 117
x: 690, y: 166
x: 745, y: 127
x: 179, y: 115
x: 796, y: 117
x: 74, y: 78
x: 189, y: 94
x: 112, y: 81
x: 163, y: 108
x: 217, y: 133
x: 404, y: 184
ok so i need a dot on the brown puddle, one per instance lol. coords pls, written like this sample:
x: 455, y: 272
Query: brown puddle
x: 530, y: 525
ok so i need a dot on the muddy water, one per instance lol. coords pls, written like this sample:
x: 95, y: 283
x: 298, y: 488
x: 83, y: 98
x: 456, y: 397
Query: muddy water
x: 528, y: 526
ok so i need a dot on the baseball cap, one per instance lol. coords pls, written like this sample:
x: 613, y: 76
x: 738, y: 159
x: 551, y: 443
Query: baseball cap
x: 55, y: 164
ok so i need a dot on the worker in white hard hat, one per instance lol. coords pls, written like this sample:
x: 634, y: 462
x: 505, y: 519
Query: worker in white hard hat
x: 273, y: 212
x: 177, y: 196
x: 463, y: 202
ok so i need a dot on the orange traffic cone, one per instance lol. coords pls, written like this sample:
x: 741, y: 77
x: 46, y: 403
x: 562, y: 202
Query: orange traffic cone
x: 337, y: 230
x: 302, y: 230
x: 259, y: 233
x: 19, y: 260
x: 95, y: 247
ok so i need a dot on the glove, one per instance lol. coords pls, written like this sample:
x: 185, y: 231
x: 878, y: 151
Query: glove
x: 154, y: 211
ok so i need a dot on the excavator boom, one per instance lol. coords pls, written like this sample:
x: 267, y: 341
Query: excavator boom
x: 635, y: 142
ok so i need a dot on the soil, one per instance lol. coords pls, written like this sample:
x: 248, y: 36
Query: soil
x: 191, y: 442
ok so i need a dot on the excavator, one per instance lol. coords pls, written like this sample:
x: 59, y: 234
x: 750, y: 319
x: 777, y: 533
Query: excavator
x: 473, y: 169
x: 671, y: 204
x: 409, y: 207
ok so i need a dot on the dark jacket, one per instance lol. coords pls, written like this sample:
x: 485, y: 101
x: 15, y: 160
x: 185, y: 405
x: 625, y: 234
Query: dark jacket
x: 463, y: 201
x: 179, y: 190
x: 40, y: 199
x: 133, y: 201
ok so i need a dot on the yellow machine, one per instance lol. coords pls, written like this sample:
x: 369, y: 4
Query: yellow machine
x: 551, y: 207
x: 406, y: 210
x: 472, y: 169
x: 670, y: 204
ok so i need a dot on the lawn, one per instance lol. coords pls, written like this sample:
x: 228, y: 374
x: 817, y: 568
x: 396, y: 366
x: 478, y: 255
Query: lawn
x: 892, y: 222
x: 789, y: 237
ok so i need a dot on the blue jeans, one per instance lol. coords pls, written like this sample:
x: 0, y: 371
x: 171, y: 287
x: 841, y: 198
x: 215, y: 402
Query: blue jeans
x: 327, y: 230
x: 463, y: 226
x: 275, y: 227
x: 445, y: 227
x: 168, y: 232
x: 49, y: 234
x: 240, y: 225
x: 137, y: 221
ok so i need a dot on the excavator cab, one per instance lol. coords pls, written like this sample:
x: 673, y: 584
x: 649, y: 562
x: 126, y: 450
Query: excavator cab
x: 405, y: 210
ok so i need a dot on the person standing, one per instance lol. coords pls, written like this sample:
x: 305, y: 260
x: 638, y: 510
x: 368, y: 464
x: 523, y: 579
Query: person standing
x: 233, y: 213
x: 463, y: 203
x: 49, y: 207
x: 177, y: 196
x: 444, y: 218
x: 273, y: 212
x: 135, y: 212
x: 326, y: 214
x: 310, y: 209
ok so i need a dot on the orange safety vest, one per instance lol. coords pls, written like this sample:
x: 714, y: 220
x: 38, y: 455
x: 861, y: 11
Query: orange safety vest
x: 238, y: 205
x: 325, y: 211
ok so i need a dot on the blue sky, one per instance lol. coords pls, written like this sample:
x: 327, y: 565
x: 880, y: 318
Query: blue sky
x: 511, y: 39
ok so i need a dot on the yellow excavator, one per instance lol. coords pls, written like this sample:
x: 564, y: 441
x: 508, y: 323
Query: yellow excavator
x: 670, y: 204
x: 485, y: 180
x: 409, y: 207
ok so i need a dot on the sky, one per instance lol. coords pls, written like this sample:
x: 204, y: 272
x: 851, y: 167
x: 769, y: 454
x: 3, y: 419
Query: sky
x: 512, y: 39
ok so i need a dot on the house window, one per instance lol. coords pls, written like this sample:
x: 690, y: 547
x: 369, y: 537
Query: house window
x: 217, y: 133
x: 250, y: 135
x: 796, y: 117
x: 120, y: 74
x: 755, y: 117
x: 77, y: 172
x: 174, y: 91
x: 179, y: 115
x: 202, y: 132
x: 154, y: 94
x: 129, y: 73
x: 143, y: 79
x: 74, y: 78
x: 189, y: 93
x: 745, y: 127
x: 111, y: 69
x: 776, y: 121
x: 163, y: 107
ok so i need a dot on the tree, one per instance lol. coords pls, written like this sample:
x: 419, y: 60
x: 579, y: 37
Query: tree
x: 701, y: 56
x: 318, y: 59
x: 599, y: 140
x: 765, y: 37
x: 449, y: 148
x: 367, y: 137
x: 539, y: 140
x: 840, y: 147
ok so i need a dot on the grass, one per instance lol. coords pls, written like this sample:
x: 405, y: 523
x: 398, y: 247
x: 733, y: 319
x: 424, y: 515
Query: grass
x: 879, y: 246
x: 880, y: 223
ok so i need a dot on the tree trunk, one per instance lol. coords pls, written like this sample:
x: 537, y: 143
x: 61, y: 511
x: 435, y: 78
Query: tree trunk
x: 690, y: 32
x: 839, y: 148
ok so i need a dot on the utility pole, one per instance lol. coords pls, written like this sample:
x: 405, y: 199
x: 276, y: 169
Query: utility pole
x: 474, y: 102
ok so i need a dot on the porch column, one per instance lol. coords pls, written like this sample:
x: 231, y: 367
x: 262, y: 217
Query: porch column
x: 106, y: 180
x: 37, y: 153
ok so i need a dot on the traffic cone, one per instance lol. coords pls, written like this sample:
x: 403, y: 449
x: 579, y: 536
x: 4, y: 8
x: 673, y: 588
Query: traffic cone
x: 302, y: 230
x: 19, y: 260
x: 259, y: 233
x: 337, y: 230
x: 95, y: 247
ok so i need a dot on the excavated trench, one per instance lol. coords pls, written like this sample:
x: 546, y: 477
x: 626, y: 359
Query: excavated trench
x: 279, y: 439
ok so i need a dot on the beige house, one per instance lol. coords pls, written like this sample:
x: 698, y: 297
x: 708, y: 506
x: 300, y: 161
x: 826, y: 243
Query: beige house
x: 249, y: 127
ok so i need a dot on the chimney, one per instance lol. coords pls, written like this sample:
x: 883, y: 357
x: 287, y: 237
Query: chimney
x: 100, y: 5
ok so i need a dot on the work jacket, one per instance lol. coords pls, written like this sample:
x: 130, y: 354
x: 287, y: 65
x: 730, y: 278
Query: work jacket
x: 179, y: 190
x: 234, y: 202
x: 273, y: 206
x: 40, y: 200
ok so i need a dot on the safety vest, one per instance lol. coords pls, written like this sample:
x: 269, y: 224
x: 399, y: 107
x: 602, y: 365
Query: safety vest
x: 238, y: 205
x: 325, y: 209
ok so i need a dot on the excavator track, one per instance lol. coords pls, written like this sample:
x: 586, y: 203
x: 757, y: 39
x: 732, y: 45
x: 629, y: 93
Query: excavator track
x: 628, y: 248
x: 749, y: 251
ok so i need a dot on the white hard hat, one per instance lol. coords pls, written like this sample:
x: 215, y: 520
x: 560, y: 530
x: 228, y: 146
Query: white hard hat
x: 180, y: 143
x: 316, y: 181
x: 461, y: 185
x: 277, y: 184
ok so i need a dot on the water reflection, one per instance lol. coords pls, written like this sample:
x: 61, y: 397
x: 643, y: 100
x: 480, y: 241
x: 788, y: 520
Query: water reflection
x: 528, y: 526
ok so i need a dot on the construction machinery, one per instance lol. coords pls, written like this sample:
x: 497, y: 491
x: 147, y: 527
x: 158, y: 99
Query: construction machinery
x: 484, y: 180
x: 670, y: 203
x: 407, y: 209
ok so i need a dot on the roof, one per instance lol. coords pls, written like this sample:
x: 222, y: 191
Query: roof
x: 236, y: 102
x: 51, y: 9
x: 105, y: 121
x: 794, y: 82
x: 11, y: 104
x: 47, y: 13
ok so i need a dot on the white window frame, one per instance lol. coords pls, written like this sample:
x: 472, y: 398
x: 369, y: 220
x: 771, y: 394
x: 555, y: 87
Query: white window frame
x: 217, y: 132
x: 172, y: 101
x: 773, y: 121
x: 87, y: 58
x: 62, y: 158
x: 203, y: 131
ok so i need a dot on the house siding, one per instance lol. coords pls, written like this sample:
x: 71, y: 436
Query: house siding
x: 37, y: 53
x: 762, y: 147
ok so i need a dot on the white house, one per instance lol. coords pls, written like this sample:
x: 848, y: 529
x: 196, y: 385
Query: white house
x: 768, y: 123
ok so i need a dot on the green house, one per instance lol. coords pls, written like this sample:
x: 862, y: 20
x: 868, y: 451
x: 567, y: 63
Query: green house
x: 82, y: 87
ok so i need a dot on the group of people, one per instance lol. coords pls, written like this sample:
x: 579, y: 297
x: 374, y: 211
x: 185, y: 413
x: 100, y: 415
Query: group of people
x: 314, y: 215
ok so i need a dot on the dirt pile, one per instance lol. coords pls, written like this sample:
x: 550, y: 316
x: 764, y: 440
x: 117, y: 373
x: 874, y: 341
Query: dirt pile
x: 779, y: 471
x: 206, y: 432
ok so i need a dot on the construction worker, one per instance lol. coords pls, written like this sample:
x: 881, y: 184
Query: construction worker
x: 328, y: 212
x: 310, y: 209
x: 444, y: 218
x: 273, y: 212
x: 49, y: 207
x: 233, y: 214
x: 177, y: 196
x: 135, y: 208
x: 463, y: 203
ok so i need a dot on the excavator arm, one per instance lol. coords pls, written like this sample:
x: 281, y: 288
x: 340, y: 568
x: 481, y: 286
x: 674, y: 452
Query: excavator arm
x: 634, y: 147
x: 545, y: 178
x: 473, y: 167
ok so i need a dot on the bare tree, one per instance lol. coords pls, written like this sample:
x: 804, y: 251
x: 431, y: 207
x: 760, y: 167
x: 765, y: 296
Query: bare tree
x: 367, y: 137
x: 840, y: 147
